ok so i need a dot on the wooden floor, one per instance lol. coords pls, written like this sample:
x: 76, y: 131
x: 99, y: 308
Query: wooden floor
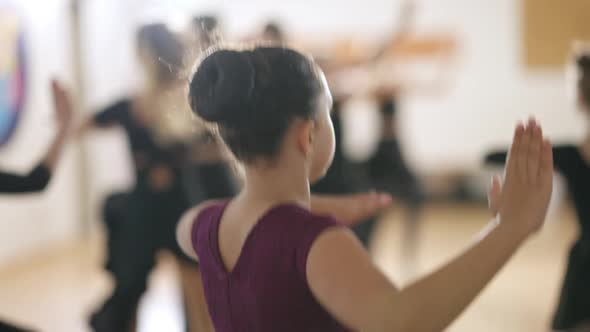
x: 56, y: 290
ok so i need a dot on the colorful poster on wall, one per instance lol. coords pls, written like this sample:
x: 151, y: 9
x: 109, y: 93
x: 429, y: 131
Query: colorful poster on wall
x: 12, y: 71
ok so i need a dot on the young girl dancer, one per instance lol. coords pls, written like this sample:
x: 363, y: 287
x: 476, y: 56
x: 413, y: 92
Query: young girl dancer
x: 573, y: 162
x: 269, y: 264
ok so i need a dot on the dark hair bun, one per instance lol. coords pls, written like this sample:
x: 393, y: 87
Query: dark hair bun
x: 221, y: 89
x: 253, y: 95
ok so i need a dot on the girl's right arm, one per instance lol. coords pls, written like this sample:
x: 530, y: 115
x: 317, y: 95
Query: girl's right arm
x: 343, y: 278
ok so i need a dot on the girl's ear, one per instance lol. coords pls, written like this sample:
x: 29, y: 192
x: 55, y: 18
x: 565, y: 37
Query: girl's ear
x: 306, y: 136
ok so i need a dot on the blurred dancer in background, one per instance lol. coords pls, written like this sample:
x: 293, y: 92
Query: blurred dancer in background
x: 141, y: 222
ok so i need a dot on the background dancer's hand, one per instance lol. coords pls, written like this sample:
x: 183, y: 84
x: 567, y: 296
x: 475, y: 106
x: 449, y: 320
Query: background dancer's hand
x: 62, y: 105
x: 63, y: 115
x: 351, y: 208
x: 524, y: 197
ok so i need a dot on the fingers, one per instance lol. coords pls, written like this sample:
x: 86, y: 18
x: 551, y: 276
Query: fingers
x: 512, y: 162
x: 61, y: 100
x: 494, y: 195
x: 373, y: 202
x: 378, y: 200
x: 54, y: 85
x: 57, y: 89
x: 546, y: 167
x: 495, y: 187
x: 524, y: 151
x: 57, y: 92
x: 528, y: 155
x: 534, y: 156
x: 384, y: 200
x: 530, y: 158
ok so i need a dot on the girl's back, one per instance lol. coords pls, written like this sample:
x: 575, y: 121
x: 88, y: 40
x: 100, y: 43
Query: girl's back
x: 267, y: 289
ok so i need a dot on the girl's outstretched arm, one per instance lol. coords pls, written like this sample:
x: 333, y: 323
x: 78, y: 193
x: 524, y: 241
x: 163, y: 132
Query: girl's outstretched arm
x: 344, y: 279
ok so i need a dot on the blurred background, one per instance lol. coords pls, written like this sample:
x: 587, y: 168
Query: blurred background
x: 502, y: 61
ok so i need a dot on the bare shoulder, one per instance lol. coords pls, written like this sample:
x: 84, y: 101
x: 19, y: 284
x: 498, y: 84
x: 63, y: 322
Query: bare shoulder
x: 186, y: 224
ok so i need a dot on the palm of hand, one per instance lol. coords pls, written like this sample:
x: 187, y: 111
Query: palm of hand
x: 528, y: 181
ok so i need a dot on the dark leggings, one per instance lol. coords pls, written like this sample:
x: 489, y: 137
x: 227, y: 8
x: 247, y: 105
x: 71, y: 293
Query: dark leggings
x: 139, y: 224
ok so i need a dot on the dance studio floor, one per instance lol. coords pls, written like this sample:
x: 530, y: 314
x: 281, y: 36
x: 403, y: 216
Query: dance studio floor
x: 56, y: 290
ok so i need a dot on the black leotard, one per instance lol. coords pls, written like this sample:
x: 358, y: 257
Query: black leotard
x: 143, y: 221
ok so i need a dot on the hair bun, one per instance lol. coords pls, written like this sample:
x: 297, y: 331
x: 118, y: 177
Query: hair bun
x: 222, y: 86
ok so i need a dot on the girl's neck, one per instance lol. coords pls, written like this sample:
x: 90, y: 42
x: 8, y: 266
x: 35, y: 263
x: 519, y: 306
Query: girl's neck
x: 276, y: 185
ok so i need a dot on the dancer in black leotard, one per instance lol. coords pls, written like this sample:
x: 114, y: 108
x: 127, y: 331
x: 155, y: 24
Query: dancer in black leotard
x: 160, y: 135
x: 389, y: 172
x: 37, y: 180
x: 573, y: 162
x: 387, y: 167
